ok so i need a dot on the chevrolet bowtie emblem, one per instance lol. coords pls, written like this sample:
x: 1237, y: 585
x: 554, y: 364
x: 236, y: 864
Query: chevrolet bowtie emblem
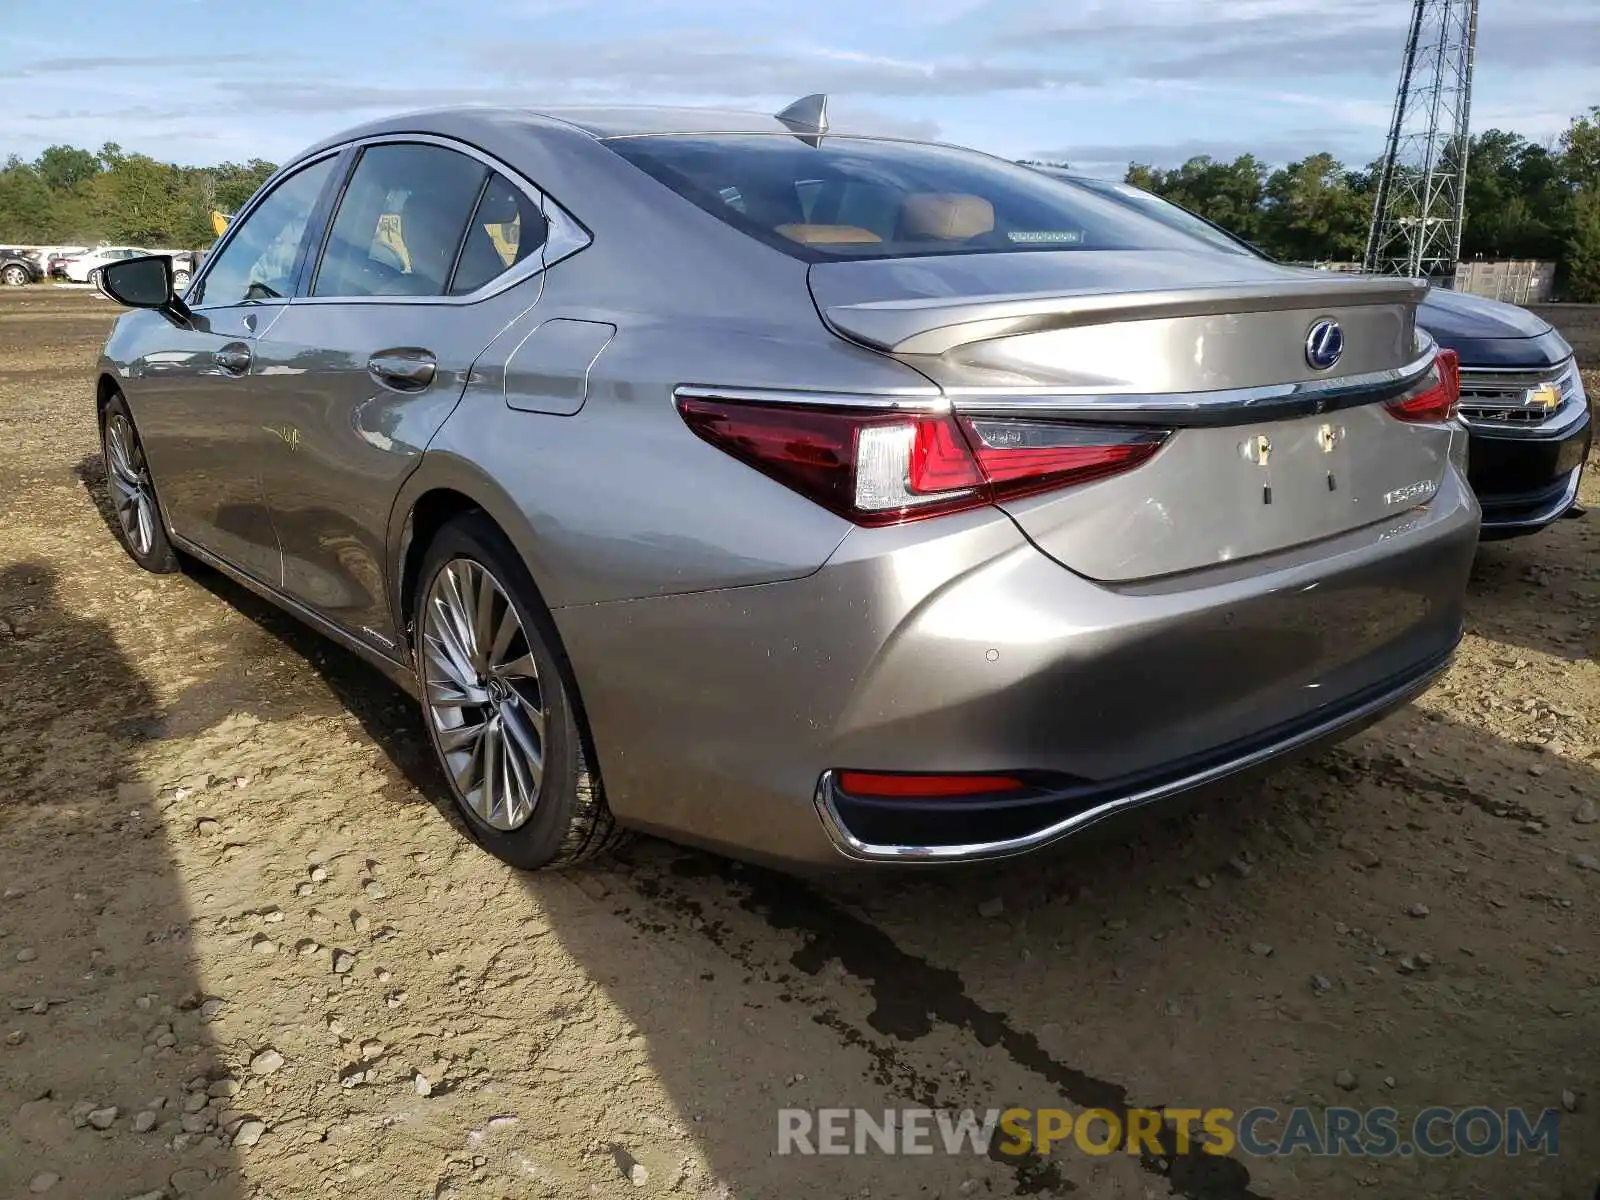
x: 1257, y: 449
x: 1546, y: 396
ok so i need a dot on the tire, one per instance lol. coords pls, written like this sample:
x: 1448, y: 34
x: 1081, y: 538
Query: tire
x: 180, y: 281
x: 14, y: 275
x: 520, y: 699
x: 136, y: 513
x: 94, y: 277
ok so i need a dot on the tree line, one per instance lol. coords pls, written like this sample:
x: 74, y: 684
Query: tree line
x: 1523, y: 200
x: 72, y: 196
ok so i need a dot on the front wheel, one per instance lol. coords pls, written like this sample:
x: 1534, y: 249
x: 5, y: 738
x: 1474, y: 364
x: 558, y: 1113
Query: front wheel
x: 133, y: 493
x: 95, y: 277
x: 180, y: 281
x: 14, y: 275
x: 499, y: 701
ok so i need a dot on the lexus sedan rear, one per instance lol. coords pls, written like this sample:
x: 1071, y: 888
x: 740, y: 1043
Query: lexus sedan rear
x: 817, y: 498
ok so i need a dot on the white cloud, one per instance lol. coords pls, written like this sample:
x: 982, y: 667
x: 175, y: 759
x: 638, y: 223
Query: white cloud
x: 1163, y: 77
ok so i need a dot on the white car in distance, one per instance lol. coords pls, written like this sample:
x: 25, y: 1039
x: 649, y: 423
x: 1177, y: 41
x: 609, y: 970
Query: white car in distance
x: 85, y: 268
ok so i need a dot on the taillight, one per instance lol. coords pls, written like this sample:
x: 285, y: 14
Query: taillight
x: 1437, y: 397
x: 878, y: 468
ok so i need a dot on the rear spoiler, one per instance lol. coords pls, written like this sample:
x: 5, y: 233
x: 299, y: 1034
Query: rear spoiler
x: 937, y: 324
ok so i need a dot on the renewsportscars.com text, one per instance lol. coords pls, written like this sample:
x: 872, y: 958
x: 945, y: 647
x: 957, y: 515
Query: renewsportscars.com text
x: 1259, y: 1132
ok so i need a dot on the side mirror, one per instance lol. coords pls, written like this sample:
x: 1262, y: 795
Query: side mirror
x: 145, y: 283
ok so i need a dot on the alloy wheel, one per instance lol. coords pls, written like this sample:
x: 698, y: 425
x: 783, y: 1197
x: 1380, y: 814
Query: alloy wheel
x: 483, y: 695
x: 15, y: 276
x: 128, y: 475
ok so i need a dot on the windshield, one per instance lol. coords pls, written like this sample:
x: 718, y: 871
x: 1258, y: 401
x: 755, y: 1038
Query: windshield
x: 1159, y: 209
x: 857, y: 198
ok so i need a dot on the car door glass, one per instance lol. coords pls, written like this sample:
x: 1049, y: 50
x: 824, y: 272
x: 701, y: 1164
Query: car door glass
x: 505, y: 229
x: 258, y: 263
x: 400, y: 222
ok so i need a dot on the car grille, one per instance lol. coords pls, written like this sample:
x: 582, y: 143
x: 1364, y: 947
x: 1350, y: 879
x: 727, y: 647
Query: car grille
x: 1501, y: 398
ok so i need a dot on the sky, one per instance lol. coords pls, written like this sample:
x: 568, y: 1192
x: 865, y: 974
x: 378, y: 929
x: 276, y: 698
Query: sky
x: 1096, y: 84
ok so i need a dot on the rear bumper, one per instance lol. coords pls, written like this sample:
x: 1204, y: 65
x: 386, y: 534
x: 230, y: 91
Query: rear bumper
x: 957, y: 646
x: 1049, y: 815
x: 1526, y: 481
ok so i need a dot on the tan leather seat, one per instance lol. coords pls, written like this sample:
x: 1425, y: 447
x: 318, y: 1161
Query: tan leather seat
x: 825, y: 235
x: 948, y: 216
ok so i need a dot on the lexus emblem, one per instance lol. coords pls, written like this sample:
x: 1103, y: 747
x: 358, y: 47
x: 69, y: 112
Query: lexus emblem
x: 1324, y: 344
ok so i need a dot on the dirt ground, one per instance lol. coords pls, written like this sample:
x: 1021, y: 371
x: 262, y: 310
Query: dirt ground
x: 245, y: 951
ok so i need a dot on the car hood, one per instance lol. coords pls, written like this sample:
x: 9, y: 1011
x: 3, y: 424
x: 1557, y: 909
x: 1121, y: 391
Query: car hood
x: 1453, y: 314
x: 1489, y: 333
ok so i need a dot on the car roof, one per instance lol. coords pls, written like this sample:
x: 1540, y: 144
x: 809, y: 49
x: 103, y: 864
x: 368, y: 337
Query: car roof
x: 597, y: 121
x: 640, y: 120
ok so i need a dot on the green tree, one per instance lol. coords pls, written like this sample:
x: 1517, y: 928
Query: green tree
x: 65, y: 167
x: 26, y: 207
x: 1314, y: 211
x: 146, y: 201
x: 237, y: 182
x: 1580, y: 150
x: 1228, y: 193
x: 1583, y: 248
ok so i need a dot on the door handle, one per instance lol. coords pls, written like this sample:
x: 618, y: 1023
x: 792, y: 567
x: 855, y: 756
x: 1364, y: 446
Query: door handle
x: 403, y: 370
x: 234, y: 359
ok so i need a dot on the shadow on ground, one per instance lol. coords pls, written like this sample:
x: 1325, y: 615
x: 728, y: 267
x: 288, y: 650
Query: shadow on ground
x: 95, y: 920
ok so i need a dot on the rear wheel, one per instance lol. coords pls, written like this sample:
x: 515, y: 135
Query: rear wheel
x: 133, y: 493
x: 180, y: 280
x: 94, y: 277
x: 498, y: 701
x: 14, y: 275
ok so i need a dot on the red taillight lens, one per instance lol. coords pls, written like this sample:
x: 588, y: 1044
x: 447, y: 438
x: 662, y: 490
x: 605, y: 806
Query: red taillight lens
x: 885, y: 785
x: 1438, y: 397
x: 1019, y: 457
x: 879, y: 468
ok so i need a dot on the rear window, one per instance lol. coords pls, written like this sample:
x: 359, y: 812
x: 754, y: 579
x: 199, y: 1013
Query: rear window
x: 1169, y: 214
x: 855, y: 198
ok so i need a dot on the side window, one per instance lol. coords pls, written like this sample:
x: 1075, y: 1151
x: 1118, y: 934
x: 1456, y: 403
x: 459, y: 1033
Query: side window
x: 259, y: 260
x: 506, y: 228
x: 400, y: 223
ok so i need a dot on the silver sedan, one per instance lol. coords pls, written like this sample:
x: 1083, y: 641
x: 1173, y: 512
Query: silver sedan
x: 817, y: 498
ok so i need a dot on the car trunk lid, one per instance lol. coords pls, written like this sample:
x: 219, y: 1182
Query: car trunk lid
x: 1268, y: 449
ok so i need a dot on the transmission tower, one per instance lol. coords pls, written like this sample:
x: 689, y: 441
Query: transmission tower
x: 1417, y: 209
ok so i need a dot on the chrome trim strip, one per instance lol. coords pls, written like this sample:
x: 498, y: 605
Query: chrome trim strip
x: 565, y: 237
x: 854, y: 848
x: 1544, y: 374
x: 897, y: 400
x: 397, y: 673
x: 1558, y: 421
x: 268, y: 186
x: 1178, y: 408
x: 1191, y: 408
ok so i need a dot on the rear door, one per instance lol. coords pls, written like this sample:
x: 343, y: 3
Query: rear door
x: 204, y: 429
x: 432, y: 251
